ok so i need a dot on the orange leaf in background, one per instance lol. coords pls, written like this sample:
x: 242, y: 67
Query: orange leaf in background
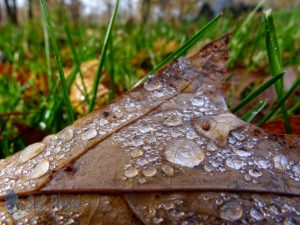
x: 277, y: 126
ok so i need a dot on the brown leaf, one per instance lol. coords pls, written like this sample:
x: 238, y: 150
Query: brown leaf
x: 278, y: 126
x: 167, y: 152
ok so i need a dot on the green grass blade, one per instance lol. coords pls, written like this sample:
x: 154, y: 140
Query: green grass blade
x: 282, y: 101
x: 275, y: 61
x: 251, y: 114
x: 257, y: 92
x: 183, y: 49
x: 239, y: 38
x: 77, y: 62
x: 102, y: 58
x: 47, y: 54
x: 58, y: 61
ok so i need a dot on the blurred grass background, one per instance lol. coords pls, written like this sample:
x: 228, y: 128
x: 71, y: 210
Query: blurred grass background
x: 145, y: 33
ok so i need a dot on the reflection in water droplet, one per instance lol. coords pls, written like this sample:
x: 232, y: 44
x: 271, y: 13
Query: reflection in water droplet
x: 280, y: 162
x: 89, y: 134
x: 185, y: 153
x: 257, y: 214
x: 168, y: 170
x: 149, y: 172
x: 173, y: 120
x: 30, y: 152
x: 40, y: 169
x: 198, y: 101
x: 231, y: 211
x: 131, y: 172
x: 234, y: 163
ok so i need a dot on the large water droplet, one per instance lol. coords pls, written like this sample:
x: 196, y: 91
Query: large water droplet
x: 30, y: 152
x: 257, y: 214
x: 168, y: 170
x: 131, y: 172
x: 152, y: 84
x: 280, y: 162
x: 185, y: 153
x: 234, y: 163
x: 198, y: 101
x: 173, y: 120
x: 40, y: 169
x: 149, y: 172
x: 89, y: 134
x: 231, y: 211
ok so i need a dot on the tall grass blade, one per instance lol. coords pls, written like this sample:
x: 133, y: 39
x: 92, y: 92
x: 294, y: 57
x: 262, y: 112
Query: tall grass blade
x: 77, y: 63
x: 102, y: 58
x: 282, y: 101
x: 58, y: 61
x: 251, y: 114
x: 257, y: 92
x: 183, y: 49
x: 275, y: 61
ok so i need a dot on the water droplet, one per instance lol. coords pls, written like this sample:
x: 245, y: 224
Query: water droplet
x: 168, y: 170
x: 289, y: 221
x: 149, y: 172
x: 255, y: 173
x: 198, y: 101
x: 274, y: 209
x: 231, y: 211
x: 137, y: 153
x: 173, y: 120
x: 144, y: 127
x: 280, y: 162
x: 40, y: 169
x: 131, y: 172
x: 103, y: 122
x: 208, y: 168
x: 185, y: 153
x: 234, y: 163
x: 89, y: 134
x: 257, y: 214
x: 152, y: 84
x: 242, y: 153
x: 239, y: 136
x: 31, y: 151
x: 142, y: 180
x: 247, y: 177
x: 296, y: 169
x: 67, y: 134
x: 137, y: 141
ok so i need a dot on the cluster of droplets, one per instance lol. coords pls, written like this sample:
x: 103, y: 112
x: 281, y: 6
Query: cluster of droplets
x: 38, y: 160
x: 232, y: 208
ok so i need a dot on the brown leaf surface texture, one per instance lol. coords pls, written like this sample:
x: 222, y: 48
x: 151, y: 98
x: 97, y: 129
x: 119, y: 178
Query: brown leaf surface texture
x: 167, y: 152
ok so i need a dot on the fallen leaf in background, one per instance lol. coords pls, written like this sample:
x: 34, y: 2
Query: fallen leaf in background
x: 277, y: 126
x: 167, y: 152
x: 88, y: 69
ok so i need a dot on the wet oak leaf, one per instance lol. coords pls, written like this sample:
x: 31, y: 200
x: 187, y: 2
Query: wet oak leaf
x: 167, y: 152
